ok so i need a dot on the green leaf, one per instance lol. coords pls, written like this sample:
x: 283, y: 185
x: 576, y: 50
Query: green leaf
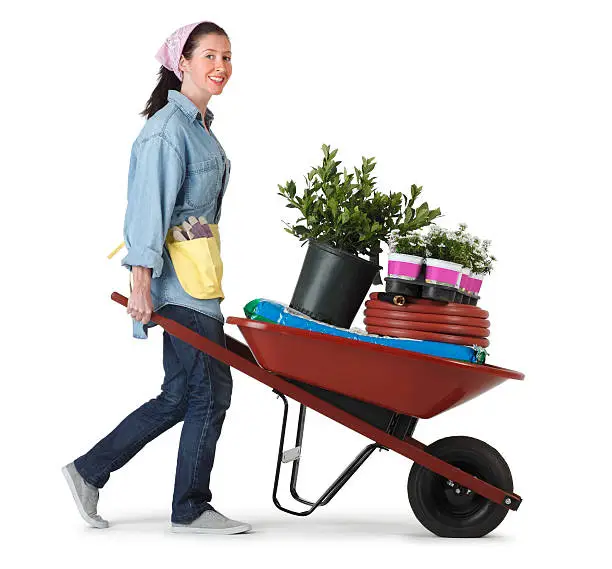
x: 434, y: 213
x: 333, y: 206
x: 414, y: 192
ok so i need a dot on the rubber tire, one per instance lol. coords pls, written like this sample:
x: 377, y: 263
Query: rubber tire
x: 425, y: 487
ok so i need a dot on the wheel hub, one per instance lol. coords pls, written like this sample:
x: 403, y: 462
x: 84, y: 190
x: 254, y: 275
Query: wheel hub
x: 458, y: 489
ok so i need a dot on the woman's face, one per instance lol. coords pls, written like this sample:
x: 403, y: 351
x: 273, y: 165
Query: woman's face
x: 211, y: 60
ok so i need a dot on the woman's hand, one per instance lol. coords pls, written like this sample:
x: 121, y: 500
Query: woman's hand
x: 140, y: 303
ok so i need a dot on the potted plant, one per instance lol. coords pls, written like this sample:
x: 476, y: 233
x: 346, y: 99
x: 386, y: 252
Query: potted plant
x: 406, y: 256
x: 482, y: 264
x: 446, y: 255
x: 464, y: 283
x: 343, y: 216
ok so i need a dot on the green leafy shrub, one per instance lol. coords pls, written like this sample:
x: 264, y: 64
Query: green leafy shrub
x: 347, y: 212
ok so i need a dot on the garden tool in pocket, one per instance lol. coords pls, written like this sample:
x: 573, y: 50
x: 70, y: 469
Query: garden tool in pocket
x: 197, y: 261
x: 194, y: 249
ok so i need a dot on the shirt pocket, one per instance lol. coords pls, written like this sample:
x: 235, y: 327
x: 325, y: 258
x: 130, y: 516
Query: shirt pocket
x: 201, y: 183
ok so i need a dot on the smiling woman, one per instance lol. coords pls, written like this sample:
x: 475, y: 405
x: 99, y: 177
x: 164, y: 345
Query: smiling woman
x: 206, y: 53
x: 178, y: 171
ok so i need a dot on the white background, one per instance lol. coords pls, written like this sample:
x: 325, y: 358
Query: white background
x: 501, y: 110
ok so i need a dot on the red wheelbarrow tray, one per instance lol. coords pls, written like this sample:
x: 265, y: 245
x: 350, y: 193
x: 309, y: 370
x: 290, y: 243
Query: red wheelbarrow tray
x: 406, y: 382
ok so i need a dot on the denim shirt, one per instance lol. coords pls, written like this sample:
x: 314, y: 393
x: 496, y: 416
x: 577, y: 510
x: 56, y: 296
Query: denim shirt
x: 177, y: 169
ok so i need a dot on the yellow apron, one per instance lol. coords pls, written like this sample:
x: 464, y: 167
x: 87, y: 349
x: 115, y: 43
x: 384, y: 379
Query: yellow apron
x: 197, y: 263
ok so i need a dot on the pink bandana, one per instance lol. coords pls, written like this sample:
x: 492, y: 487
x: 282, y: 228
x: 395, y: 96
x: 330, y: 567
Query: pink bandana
x: 170, y: 53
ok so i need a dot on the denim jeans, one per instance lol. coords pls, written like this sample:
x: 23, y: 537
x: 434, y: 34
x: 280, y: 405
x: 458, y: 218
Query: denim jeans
x: 197, y: 389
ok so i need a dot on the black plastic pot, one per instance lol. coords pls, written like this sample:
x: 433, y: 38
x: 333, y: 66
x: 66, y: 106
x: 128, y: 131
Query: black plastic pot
x: 332, y: 284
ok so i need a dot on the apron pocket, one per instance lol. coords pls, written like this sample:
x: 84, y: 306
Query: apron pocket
x: 198, y: 264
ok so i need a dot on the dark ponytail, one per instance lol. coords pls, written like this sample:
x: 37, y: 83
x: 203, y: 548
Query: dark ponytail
x: 167, y: 80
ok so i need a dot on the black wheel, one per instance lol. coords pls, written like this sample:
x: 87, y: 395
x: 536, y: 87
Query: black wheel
x: 446, y: 508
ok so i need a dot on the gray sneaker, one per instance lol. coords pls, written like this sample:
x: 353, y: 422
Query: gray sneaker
x: 85, y: 495
x: 212, y: 521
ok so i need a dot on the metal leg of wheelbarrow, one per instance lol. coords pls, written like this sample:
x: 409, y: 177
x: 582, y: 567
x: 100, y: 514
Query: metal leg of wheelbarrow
x: 293, y: 455
x: 340, y: 481
x: 296, y: 463
x: 393, y: 427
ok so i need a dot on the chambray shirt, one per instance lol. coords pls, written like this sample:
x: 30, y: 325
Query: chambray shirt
x: 177, y: 169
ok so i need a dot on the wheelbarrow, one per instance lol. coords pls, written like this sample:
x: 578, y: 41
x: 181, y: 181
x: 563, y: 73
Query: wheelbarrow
x: 458, y: 486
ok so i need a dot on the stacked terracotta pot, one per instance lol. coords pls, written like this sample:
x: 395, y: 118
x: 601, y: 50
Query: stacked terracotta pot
x: 423, y: 319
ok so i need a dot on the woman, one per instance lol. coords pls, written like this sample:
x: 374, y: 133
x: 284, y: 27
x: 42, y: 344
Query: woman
x: 178, y: 169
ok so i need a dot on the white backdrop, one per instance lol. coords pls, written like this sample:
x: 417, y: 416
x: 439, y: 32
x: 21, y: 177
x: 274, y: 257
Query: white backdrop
x: 500, y: 110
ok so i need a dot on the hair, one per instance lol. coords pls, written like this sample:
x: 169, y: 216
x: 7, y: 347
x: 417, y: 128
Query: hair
x: 167, y: 80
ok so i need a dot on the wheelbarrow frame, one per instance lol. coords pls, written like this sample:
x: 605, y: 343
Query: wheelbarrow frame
x: 293, y: 455
x: 240, y: 357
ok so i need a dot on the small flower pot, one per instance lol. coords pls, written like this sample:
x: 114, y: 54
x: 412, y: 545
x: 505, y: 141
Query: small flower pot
x: 463, y: 286
x: 442, y: 273
x: 405, y: 267
x: 477, y: 279
x: 465, y: 280
x: 441, y: 280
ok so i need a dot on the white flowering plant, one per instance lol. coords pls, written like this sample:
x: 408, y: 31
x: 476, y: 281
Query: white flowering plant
x: 408, y: 244
x: 447, y: 245
x: 480, y: 260
x: 456, y: 246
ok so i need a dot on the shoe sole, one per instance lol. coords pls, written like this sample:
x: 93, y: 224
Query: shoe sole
x: 218, y: 531
x: 93, y: 523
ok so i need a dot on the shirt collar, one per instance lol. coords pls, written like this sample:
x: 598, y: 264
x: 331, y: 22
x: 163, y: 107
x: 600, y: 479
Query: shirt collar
x: 188, y: 107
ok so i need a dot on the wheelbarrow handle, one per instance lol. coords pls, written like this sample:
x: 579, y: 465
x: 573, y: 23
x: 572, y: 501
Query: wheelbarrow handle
x: 154, y: 316
x: 173, y: 327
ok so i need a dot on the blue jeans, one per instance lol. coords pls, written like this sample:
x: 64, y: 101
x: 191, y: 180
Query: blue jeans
x: 197, y: 389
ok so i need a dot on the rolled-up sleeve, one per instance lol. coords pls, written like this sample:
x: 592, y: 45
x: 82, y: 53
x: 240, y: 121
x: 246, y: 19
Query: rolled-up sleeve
x: 155, y: 177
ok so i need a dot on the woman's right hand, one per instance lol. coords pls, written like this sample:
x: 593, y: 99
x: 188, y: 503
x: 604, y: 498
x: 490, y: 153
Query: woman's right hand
x: 140, y: 303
